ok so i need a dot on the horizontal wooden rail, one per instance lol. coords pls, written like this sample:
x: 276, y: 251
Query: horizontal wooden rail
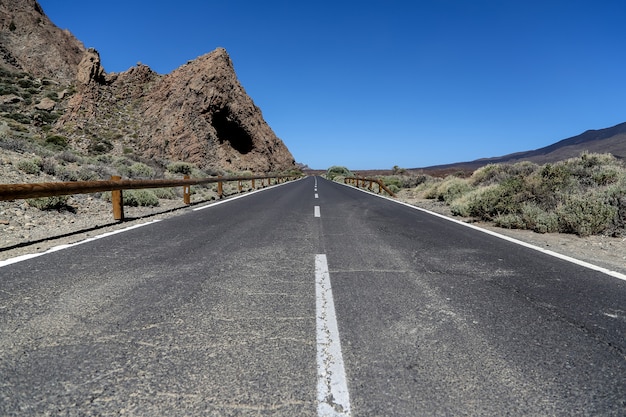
x: 362, y: 182
x: 116, y: 184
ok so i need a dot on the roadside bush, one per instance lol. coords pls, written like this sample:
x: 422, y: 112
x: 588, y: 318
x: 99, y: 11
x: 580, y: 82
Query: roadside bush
x: 450, y: 189
x: 183, y: 168
x: 30, y: 166
x: 140, y: 170
x: 585, y: 215
x: 394, y: 183
x: 56, y: 142
x: 531, y: 217
x: 66, y: 174
x: 67, y: 156
x: 143, y: 198
x: 497, y: 173
x: 49, y: 203
x: 584, y: 195
x: 49, y: 166
x: 338, y: 171
x: 165, y: 193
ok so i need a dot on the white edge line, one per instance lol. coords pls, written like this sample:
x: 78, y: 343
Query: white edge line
x: 258, y: 190
x: 332, y: 388
x: 588, y: 265
x: 69, y: 245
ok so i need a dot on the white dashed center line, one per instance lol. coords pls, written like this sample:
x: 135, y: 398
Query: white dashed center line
x: 332, y: 389
x: 316, y: 211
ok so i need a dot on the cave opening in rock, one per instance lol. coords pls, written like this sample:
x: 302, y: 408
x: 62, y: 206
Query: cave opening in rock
x: 229, y: 130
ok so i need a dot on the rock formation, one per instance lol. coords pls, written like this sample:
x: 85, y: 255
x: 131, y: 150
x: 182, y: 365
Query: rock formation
x: 30, y: 42
x: 199, y: 113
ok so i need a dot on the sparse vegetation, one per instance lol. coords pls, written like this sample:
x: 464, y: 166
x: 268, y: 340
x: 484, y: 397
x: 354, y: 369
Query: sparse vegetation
x: 338, y: 171
x: 143, y: 198
x: 184, y: 168
x: 30, y: 166
x: 50, y: 203
x: 584, y: 195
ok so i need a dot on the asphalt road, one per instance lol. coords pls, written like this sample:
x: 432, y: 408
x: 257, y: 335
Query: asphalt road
x: 217, y: 312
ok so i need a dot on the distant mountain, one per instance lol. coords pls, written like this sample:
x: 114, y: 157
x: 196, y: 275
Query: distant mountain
x: 610, y: 140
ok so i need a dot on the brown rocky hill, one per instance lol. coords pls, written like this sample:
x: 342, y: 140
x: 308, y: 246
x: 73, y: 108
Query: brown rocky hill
x: 199, y: 113
x: 31, y: 43
x: 610, y: 140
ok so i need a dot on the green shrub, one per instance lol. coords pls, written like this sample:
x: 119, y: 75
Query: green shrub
x: 67, y: 156
x: 49, y: 203
x: 535, y: 218
x: 30, y: 166
x: 184, y: 168
x: 338, y: 171
x: 491, y: 201
x: 100, y: 146
x: 140, y: 170
x: 585, y: 215
x: 66, y: 174
x: 56, y: 142
x: 452, y: 188
x: 85, y: 173
x: 143, y: 198
x: 26, y: 83
x: 165, y: 193
x: 20, y: 118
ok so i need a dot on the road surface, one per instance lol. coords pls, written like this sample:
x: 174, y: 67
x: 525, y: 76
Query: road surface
x: 308, y: 299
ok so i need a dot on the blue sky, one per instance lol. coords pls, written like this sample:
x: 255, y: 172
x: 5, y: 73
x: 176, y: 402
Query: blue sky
x: 373, y: 84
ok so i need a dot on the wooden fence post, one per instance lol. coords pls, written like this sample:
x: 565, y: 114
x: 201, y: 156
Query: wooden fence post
x: 117, y: 200
x: 220, y: 190
x: 186, y: 192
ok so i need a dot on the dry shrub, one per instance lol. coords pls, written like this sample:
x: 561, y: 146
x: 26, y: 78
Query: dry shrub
x: 584, y: 195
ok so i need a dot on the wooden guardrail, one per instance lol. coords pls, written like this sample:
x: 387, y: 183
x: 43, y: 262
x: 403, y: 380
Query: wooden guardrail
x: 358, y: 182
x: 116, y: 185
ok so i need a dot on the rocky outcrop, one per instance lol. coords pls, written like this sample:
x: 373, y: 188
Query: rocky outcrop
x: 90, y: 69
x: 30, y: 42
x: 199, y: 113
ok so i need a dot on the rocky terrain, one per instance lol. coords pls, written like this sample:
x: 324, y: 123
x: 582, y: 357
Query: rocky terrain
x: 31, y: 43
x: 199, y: 113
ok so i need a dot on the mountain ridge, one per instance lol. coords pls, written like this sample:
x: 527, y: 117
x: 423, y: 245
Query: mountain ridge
x: 607, y: 140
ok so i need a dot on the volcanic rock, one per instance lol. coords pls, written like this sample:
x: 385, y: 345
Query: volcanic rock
x: 30, y: 42
x: 199, y: 113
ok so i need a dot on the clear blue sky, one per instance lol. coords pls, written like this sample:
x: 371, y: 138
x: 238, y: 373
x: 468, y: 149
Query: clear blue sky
x: 373, y: 84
